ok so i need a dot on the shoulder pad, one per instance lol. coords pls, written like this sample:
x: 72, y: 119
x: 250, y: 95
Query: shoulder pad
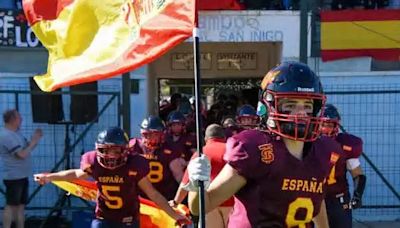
x: 351, y: 144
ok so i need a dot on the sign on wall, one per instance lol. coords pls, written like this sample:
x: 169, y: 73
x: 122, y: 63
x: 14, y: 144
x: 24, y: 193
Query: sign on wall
x: 219, y: 60
x: 253, y: 26
x: 14, y: 30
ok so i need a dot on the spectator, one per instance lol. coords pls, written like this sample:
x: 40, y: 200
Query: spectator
x: 230, y: 105
x: 263, y: 5
x: 375, y: 4
x: 215, y: 113
x: 15, y: 152
x: 347, y: 4
x: 173, y: 105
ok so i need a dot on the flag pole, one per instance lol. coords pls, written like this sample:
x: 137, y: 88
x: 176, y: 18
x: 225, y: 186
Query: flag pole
x: 197, y: 95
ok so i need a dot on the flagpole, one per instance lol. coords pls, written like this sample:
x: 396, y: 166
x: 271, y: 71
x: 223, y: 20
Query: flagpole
x: 199, y: 133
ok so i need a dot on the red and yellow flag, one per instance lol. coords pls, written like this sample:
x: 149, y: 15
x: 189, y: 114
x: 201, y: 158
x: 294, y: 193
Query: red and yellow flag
x: 90, y: 40
x: 150, y: 215
x: 353, y: 33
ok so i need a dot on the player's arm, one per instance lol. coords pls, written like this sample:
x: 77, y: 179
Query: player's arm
x: 321, y: 220
x: 224, y: 186
x: 354, y: 166
x: 157, y: 198
x: 65, y: 175
x: 180, y: 195
x: 359, y: 180
x: 177, y: 167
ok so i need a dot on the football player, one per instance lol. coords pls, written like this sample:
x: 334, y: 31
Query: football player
x: 166, y: 163
x: 338, y: 199
x: 177, y: 137
x: 277, y: 176
x: 247, y: 117
x: 118, y: 174
x: 230, y: 126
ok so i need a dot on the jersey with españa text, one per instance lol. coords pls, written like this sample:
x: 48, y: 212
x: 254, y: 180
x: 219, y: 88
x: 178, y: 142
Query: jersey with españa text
x: 117, y: 197
x: 281, y: 190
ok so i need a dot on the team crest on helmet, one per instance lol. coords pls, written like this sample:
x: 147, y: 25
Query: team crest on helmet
x: 271, y: 75
x: 267, y: 153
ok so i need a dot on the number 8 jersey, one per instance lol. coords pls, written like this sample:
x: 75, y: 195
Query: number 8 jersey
x: 160, y: 174
x: 281, y: 190
x: 117, y: 196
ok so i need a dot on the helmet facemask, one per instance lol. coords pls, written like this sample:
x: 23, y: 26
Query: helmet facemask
x: 331, y: 121
x: 111, y: 156
x: 177, y: 128
x: 329, y: 127
x: 152, y: 139
x: 300, y: 127
x: 248, y: 121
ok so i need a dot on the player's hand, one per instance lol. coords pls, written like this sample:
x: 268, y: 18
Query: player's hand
x: 199, y: 169
x: 41, y: 178
x: 355, y: 202
x: 172, y: 203
x: 182, y: 220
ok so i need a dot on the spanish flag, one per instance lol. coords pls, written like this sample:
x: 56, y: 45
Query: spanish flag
x: 150, y: 215
x: 89, y: 40
x: 354, y: 33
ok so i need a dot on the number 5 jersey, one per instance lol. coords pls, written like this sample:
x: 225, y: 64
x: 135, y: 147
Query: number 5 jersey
x: 117, y: 196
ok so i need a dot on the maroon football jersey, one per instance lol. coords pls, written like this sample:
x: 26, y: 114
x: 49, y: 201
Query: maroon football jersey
x: 281, y: 190
x: 337, y: 181
x: 160, y: 175
x: 185, y: 145
x: 233, y: 130
x: 117, y: 196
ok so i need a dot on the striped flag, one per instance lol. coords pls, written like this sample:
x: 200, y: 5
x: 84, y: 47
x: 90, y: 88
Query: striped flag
x: 354, y: 33
x: 89, y: 40
x: 150, y: 215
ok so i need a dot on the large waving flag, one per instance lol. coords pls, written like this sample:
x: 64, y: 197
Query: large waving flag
x: 150, y: 215
x: 90, y: 40
x: 353, y: 33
